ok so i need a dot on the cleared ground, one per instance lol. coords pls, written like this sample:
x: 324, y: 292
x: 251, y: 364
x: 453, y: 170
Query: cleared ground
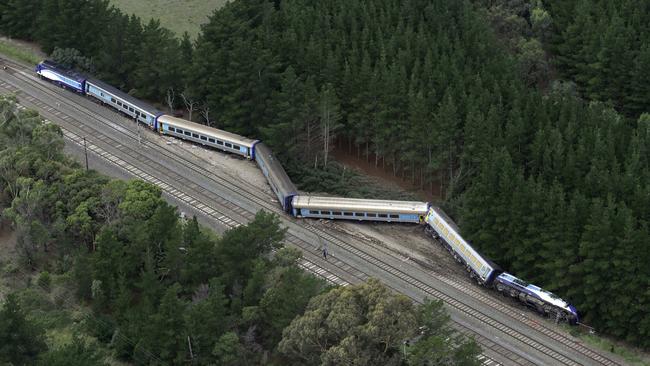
x: 177, y: 15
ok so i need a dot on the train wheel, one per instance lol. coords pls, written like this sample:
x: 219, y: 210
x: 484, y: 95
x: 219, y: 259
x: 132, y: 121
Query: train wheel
x: 548, y: 310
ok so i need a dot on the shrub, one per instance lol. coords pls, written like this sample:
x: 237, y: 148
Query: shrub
x: 44, y: 280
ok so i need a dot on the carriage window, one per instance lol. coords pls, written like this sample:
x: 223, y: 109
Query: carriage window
x: 172, y: 129
x: 336, y: 213
x: 113, y: 100
x: 313, y: 212
x: 211, y: 140
x: 520, y: 282
x: 219, y: 142
x: 131, y: 109
x: 204, y: 138
x: 394, y: 216
x: 178, y: 130
x: 228, y: 144
x: 383, y: 215
x: 325, y: 213
x: 358, y: 214
x: 236, y: 147
x: 187, y: 133
x: 137, y: 113
x: 347, y: 214
x: 119, y: 103
x: 195, y: 135
x: 371, y: 215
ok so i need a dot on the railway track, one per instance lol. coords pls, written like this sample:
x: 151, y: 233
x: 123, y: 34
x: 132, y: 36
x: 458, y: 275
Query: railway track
x: 197, y: 195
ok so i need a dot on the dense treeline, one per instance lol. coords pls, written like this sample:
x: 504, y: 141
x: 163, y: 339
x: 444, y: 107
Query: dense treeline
x: 553, y: 187
x: 600, y: 48
x: 164, y: 291
x: 604, y: 47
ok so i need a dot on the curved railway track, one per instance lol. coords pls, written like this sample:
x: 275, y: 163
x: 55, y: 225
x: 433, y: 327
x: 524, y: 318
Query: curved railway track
x: 195, y: 194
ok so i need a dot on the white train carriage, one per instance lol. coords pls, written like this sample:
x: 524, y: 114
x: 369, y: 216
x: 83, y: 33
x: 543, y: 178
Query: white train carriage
x: 121, y: 101
x: 278, y: 179
x: 358, y: 209
x: 218, y: 139
x: 480, y: 268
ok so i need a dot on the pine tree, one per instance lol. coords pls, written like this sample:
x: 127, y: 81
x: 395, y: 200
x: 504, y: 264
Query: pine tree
x: 206, y: 320
x: 21, y: 341
x: 17, y: 18
x: 166, y: 337
x: 446, y: 134
x: 596, y: 251
x: 637, y: 100
x: 159, y: 66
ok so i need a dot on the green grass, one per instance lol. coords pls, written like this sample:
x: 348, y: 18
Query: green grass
x: 18, y: 53
x: 177, y: 15
x: 632, y: 356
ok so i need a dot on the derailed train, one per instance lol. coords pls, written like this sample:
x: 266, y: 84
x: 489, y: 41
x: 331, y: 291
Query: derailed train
x: 490, y: 275
x: 436, y: 222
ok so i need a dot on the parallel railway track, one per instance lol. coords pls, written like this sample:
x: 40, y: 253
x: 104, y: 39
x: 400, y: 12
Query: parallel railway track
x: 195, y: 195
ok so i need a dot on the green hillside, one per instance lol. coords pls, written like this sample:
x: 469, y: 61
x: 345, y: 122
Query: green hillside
x: 177, y: 15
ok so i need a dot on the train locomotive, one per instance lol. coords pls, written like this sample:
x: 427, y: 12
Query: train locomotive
x: 440, y: 227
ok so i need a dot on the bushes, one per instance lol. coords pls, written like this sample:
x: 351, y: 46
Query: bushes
x: 44, y: 280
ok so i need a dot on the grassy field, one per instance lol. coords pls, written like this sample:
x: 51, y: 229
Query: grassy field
x: 177, y: 15
x: 20, y: 51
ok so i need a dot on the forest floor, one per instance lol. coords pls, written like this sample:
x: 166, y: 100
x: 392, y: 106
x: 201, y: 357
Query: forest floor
x: 366, y: 166
x: 177, y: 15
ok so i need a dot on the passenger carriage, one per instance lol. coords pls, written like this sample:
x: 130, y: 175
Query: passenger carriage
x: 204, y: 135
x: 122, y: 102
x: 278, y: 179
x: 480, y: 268
x: 359, y: 209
